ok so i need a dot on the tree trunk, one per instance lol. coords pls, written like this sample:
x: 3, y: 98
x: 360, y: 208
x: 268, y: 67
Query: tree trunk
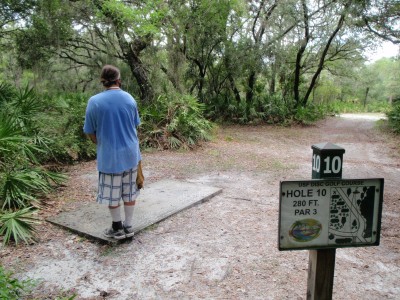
x: 234, y: 89
x: 131, y: 52
x: 250, y: 87
x: 263, y: 15
x: 272, y: 84
x: 299, y: 56
x: 323, y: 55
x: 366, y: 96
x: 229, y: 66
x: 200, y: 82
x: 142, y: 79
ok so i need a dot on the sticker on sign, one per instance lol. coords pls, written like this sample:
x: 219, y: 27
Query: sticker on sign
x: 317, y: 214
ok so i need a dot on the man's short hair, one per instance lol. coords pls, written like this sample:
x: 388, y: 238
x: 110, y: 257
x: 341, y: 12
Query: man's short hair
x: 109, y: 75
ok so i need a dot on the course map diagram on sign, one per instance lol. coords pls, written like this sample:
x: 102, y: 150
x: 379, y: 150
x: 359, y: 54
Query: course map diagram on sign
x: 351, y: 215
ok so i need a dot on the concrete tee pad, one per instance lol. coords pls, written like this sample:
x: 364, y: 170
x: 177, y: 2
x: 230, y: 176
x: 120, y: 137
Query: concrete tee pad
x: 157, y: 201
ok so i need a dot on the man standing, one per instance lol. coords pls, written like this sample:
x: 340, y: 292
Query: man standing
x: 111, y: 120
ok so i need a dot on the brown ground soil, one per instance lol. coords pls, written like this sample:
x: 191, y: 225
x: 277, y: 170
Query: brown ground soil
x: 225, y: 248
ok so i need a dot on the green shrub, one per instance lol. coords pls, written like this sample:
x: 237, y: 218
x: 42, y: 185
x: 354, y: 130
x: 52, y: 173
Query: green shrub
x: 278, y: 110
x: 338, y: 107
x: 394, y: 118
x: 263, y: 108
x: 64, y: 127
x: 14, y: 289
x: 174, y: 122
x: 310, y: 113
x: 22, y: 177
x: 378, y: 107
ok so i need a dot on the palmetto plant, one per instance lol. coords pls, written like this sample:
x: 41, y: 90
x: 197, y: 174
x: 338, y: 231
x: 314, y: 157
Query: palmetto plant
x: 174, y: 122
x: 22, y: 179
x: 18, y: 225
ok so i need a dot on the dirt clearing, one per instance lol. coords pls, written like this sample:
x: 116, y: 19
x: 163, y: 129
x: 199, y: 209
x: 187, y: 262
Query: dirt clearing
x: 225, y: 248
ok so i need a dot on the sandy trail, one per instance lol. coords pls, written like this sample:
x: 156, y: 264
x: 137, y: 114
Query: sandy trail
x: 225, y: 248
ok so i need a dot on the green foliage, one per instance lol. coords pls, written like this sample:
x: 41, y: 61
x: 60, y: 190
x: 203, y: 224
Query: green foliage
x: 378, y: 107
x: 21, y: 186
x: 7, y: 92
x: 144, y: 19
x: 278, y: 110
x: 14, y: 144
x: 310, y: 113
x: 64, y: 127
x: 21, y: 176
x: 75, y: 140
x: 217, y: 51
x: 269, y: 109
x: 18, y: 225
x: 394, y: 118
x: 327, y: 90
x: 382, y: 78
x: 338, y: 107
x: 46, y: 30
x: 372, y: 85
x: 23, y: 149
x: 15, y: 289
x: 11, y: 288
x: 20, y: 136
x: 50, y: 131
x: 174, y: 122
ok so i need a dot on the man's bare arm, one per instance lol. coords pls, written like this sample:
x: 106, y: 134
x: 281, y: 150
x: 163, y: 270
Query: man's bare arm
x: 92, y: 137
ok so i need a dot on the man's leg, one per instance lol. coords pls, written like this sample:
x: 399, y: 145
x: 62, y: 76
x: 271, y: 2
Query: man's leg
x: 129, y: 207
x: 115, y: 212
x: 117, y: 230
x: 129, y: 194
x: 110, y: 189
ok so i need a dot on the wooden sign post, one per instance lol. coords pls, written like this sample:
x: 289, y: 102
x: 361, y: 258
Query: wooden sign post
x: 327, y: 162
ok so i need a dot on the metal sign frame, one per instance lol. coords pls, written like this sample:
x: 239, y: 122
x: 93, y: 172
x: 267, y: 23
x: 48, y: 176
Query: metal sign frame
x: 302, y: 226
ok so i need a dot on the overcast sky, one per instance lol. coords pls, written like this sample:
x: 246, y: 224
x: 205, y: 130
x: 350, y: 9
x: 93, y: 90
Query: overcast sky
x: 386, y: 50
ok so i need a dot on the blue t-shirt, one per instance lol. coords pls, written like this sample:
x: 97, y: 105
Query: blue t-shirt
x: 112, y: 116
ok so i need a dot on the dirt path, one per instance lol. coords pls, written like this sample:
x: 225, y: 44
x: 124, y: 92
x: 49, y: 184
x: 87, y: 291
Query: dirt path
x: 225, y: 248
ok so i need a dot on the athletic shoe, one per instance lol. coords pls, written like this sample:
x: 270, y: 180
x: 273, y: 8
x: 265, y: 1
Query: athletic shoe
x: 129, y: 231
x: 115, y: 234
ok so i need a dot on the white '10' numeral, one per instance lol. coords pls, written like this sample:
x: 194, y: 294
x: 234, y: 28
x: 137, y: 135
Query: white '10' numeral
x: 335, y: 167
x: 316, y: 163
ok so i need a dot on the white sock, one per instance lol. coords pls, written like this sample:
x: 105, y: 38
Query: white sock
x: 128, y: 215
x: 115, y: 214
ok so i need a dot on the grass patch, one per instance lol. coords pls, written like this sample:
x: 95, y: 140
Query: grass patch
x: 280, y: 166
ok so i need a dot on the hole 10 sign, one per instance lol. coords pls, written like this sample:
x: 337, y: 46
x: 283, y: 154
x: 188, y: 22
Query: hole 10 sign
x: 327, y: 161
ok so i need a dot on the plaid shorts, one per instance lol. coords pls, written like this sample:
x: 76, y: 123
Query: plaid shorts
x: 114, y: 187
